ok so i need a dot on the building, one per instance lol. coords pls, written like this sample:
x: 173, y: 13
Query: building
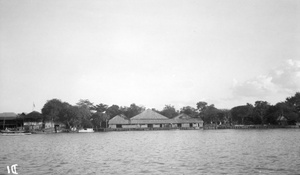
x: 33, y: 121
x: 10, y: 120
x: 282, y: 120
x: 150, y: 119
x: 118, y: 121
x: 185, y: 121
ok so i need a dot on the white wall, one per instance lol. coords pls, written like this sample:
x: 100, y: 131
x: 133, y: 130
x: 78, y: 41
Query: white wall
x: 130, y: 126
x: 185, y: 125
x: 112, y: 126
x: 144, y: 126
x: 156, y: 125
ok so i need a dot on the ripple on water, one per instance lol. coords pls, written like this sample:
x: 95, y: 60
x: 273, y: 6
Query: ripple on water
x: 157, y: 152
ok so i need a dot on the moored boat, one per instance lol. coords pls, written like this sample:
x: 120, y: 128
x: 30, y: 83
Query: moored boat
x: 86, y: 130
x: 14, y: 133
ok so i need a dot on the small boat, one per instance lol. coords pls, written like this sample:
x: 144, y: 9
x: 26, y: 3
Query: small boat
x: 86, y: 130
x: 7, y: 132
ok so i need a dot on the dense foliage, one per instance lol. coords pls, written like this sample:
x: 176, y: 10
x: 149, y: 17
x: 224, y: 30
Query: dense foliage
x: 85, y: 114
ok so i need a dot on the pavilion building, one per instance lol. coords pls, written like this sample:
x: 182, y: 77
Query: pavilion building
x: 153, y: 120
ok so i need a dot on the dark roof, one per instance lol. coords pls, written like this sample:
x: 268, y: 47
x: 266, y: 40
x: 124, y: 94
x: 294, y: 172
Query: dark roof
x: 118, y: 119
x: 281, y: 118
x: 149, y: 115
x: 33, y: 116
x: 184, y: 118
x: 150, y: 121
x: 8, y: 115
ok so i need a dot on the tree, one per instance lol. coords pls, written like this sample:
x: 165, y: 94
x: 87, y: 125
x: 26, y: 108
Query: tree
x: 85, y: 103
x: 70, y: 115
x: 223, y: 116
x: 113, y: 110
x: 100, y: 107
x: 210, y: 114
x: 260, y: 110
x: 201, y: 105
x: 132, y: 110
x: 169, y: 111
x: 281, y: 109
x: 84, y: 113
x: 100, y: 119
x: 155, y: 110
x: 242, y: 114
x: 188, y: 110
x: 51, y: 109
x: 294, y: 101
x: 85, y: 116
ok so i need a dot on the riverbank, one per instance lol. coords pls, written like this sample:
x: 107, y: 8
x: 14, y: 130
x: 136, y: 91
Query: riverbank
x: 145, y: 129
x: 205, y: 127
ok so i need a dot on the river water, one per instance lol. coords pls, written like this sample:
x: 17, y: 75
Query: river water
x: 265, y: 151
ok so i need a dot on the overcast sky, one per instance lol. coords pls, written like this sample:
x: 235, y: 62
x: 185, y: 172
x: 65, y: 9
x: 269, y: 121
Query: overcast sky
x: 152, y: 53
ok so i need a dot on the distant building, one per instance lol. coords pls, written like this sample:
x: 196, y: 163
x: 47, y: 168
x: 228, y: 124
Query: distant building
x: 151, y: 119
x: 10, y: 120
x: 282, y: 120
x: 185, y: 121
x: 33, y: 120
x: 119, y: 121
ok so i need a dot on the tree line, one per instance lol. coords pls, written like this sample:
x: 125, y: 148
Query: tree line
x: 87, y: 114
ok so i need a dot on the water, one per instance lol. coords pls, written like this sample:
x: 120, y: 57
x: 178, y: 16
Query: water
x: 273, y: 151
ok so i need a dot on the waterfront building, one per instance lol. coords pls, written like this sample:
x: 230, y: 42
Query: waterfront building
x: 10, y: 120
x: 151, y: 119
x: 119, y: 121
x: 282, y: 120
x: 33, y: 121
x: 185, y: 121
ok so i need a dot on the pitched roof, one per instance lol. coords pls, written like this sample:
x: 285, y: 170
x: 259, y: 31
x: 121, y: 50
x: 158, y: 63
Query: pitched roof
x: 184, y: 118
x: 281, y: 118
x: 118, y: 119
x: 149, y: 115
x: 8, y: 115
x: 150, y: 121
x: 33, y: 116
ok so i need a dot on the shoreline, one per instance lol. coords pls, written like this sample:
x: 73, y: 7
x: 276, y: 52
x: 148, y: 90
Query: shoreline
x: 205, y: 127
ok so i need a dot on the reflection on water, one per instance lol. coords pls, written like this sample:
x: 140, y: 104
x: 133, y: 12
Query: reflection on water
x: 275, y: 151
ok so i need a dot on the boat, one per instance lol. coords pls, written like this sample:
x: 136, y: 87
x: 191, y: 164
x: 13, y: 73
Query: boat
x: 7, y: 132
x: 86, y: 130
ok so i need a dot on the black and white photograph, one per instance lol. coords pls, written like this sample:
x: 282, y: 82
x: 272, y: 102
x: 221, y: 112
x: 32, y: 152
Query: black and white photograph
x: 154, y: 87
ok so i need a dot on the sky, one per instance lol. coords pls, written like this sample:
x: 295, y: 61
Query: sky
x: 147, y: 52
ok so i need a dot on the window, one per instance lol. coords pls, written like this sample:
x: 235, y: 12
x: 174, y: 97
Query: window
x: 119, y: 126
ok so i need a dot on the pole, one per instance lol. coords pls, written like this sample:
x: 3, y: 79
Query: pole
x: 3, y: 123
